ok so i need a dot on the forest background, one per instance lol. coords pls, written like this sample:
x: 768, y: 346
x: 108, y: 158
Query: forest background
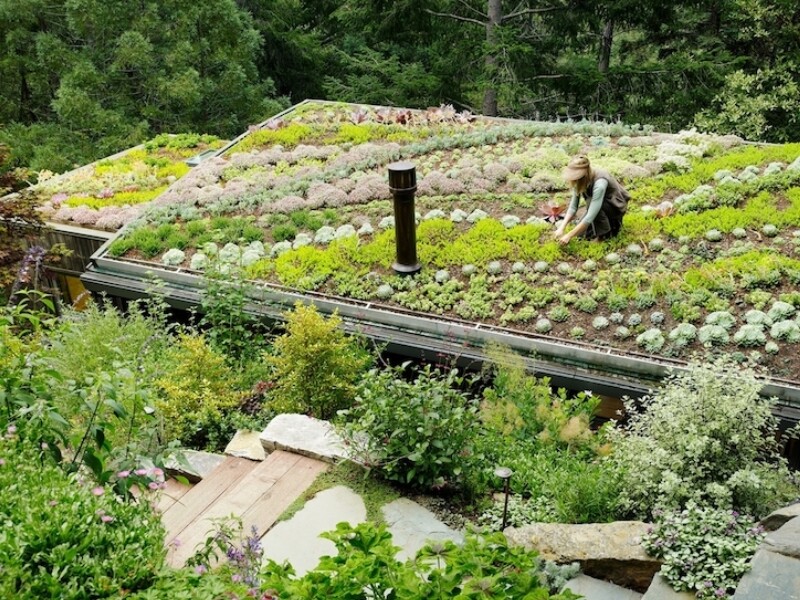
x: 81, y: 79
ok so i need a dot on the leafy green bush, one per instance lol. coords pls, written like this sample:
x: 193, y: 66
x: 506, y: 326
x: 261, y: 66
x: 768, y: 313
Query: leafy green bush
x: 196, y: 392
x: 60, y: 538
x: 727, y: 459
x: 705, y: 550
x: 316, y: 366
x: 416, y: 432
x: 484, y: 566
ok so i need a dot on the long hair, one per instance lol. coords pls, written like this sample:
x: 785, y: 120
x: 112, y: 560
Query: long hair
x: 582, y: 184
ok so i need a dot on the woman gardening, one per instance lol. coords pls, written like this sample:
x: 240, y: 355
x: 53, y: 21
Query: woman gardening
x: 608, y: 201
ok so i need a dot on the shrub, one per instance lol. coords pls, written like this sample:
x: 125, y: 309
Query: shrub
x: 195, y: 392
x: 728, y: 459
x: 705, y: 550
x: 419, y: 433
x: 316, y: 366
x: 63, y: 539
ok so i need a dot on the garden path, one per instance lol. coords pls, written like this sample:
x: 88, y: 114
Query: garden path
x: 257, y: 492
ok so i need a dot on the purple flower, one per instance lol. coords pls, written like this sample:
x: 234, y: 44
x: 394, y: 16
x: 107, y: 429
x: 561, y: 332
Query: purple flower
x: 153, y: 485
x: 106, y: 519
x: 720, y: 593
x: 98, y: 491
x: 12, y: 429
x: 140, y: 472
x: 200, y: 569
x: 53, y: 503
x: 2, y: 461
x: 123, y: 474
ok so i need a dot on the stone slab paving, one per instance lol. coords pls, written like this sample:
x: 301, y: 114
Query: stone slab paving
x: 772, y: 576
x: 246, y: 444
x: 303, y: 435
x: 412, y: 526
x: 596, y: 589
x: 661, y: 590
x: 297, y: 540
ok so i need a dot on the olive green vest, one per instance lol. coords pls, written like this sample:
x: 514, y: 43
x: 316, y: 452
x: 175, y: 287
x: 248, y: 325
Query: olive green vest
x: 616, y: 195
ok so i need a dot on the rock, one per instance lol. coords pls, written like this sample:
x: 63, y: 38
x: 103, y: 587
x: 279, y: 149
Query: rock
x: 412, y: 526
x: 596, y: 589
x: 246, y: 444
x: 198, y: 464
x: 772, y: 576
x: 297, y: 540
x: 303, y: 435
x: 780, y: 517
x: 610, y: 551
x: 785, y: 540
x: 661, y: 590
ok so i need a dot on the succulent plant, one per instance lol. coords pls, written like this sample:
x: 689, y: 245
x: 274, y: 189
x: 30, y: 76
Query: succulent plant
x: 780, y: 310
x: 769, y: 230
x: 722, y: 318
x: 564, y: 268
x: 386, y: 223
x: 739, y: 233
x: 634, y: 319
x: 712, y: 335
x: 600, y: 322
x: 683, y: 334
x: 616, y: 317
x: 494, y: 267
x: 633, y: 250
x: 622, y: 332
x: 469, y: 270
x: 477, y: 215
x: 442, y: 276
x: 788, y: 331
x: 231, y: 253
x: 657, y: 317
x: 324, y: 235
x: 577, y: 333
x: 559, y: 313
x: 280, y: 248
x: 199, y: 262
x: 384, y: 292
x: 510, y: 221
x: 757, y: 317
x: 589, y: 265
x: 612, y: 258
x: 749, y: 335
x: 651, y: 340
x: 541, y: 266
x: 656, y: 245
x: 714, y: 235
x: 543, y: 326
x: 173, y: 257
x: 434, y: 214
x: 518, y: 267
x: 458, y: 215
x: 771, y: 347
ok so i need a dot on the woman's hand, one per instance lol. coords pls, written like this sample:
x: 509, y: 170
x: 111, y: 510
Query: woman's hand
x: 564, y: 239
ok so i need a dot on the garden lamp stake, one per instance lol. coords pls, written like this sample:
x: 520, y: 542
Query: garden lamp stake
x: 505, y: 474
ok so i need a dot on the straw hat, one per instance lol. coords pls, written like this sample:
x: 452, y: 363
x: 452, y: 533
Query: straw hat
x: 577, y: 168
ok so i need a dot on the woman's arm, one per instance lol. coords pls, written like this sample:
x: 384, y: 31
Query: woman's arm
x: 598, y: 193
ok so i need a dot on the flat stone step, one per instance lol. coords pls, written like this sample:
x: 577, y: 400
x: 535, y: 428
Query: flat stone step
x: 246, y: 444
x: 197, y: 465
x: 772, y: 576
x: 297, y: 540
x: 412, y: 526
x: 596, y: 589
x: 661, y: 590
x: 303, y: 435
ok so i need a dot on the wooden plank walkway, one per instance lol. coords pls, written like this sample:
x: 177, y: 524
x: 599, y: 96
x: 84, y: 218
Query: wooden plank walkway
x: 256, y: 492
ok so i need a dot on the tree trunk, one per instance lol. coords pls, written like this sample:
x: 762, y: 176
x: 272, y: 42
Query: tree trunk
x: 605, y: 46
x: 714, y: 18
x: 495, y: 14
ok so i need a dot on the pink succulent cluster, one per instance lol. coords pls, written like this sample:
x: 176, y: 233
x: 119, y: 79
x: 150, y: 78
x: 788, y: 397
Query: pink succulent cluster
x: 325, y: 194
x: 496, y: 172
x: 289, y: 204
